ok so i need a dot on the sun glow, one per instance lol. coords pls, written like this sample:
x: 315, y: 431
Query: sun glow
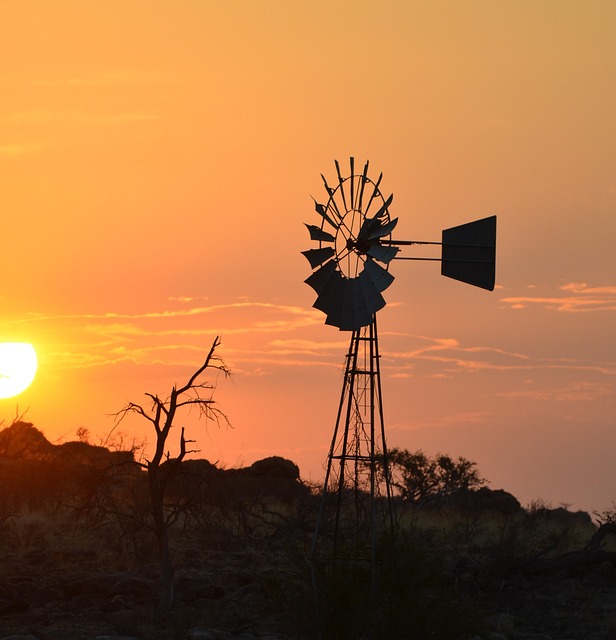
x: 18, y: 366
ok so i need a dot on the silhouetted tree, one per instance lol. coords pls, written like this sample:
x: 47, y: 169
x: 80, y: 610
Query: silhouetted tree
x: 421, y: 479
x: 196, y: 393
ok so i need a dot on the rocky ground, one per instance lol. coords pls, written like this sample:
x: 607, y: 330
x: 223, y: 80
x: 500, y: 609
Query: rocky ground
x: 221, y: 600
x: 257, y: 593
x: 77, y: 559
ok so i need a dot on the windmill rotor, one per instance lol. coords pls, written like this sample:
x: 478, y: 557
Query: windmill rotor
x: 350, y: 264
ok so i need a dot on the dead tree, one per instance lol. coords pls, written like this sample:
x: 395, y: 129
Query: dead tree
x: 196, y: 393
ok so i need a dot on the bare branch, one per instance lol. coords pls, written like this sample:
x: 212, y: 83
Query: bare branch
x: 194, y: 393
x: 207, y: 364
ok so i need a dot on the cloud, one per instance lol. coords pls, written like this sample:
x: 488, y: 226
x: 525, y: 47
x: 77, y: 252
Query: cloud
x: 44, y: 117
x: 576, y: 391
x: 581, y: 299
x: 177, y: 335
x: 302, y: 314
x: 174, y: 335
x: 444, y: 356
x: 119, y: 78
x: 12, y: 150
x: 307, y: 347
x: 108, y: 79
x: 458, y: 420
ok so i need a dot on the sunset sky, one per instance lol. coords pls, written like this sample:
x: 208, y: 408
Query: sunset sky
x: 157, y: 162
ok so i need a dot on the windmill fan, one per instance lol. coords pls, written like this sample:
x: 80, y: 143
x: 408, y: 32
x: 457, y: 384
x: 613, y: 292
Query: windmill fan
x: 351, y: 261
x: 350, y: 266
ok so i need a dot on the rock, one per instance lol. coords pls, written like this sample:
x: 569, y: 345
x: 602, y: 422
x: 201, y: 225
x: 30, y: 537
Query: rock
x: 94, y: 584
x: 13, y: 606
x: 114, y: 637
x: 563, y: 516
x: 209, y: 634
x: 82, y: 601
x: 193, y: 585
x: 275, y: 466
x: 200, y: 634
x: 485, y: 499
x: 502, y: 622
x: 45, y: 595
x: 133, y: 586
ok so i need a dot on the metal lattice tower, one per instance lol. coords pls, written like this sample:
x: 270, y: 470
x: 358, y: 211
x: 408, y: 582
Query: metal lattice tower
x: 356, y: 500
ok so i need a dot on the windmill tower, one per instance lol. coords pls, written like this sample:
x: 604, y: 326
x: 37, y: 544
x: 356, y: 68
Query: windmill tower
x: 350, y: 272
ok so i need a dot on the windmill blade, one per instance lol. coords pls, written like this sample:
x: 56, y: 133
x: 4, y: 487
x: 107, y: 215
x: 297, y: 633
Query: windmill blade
x: 318, y: 280
x: 329, y: 190
x: 361, y: 316
x: 381, y: 253
x: 339, y: 312
x: 341, y: 182
x: 380, y: 277
x: 320, y: 209
x: 316, y: 233
x: 375, y: 192
x: 330, y: 293
x: 348, y: 303
x: 469, y: 253
x: 368, y: 226
x: 383, y: 230
x: 362, y: 185
x: 372, y: 295
x: 352, y: 181
x: 317, y: 256
x: 384, y: 206
x: 350, y: 311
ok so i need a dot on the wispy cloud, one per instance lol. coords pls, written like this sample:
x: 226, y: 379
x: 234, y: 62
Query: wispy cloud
x: 444, y: 358
x: 108, y: 79
x: 577, y: 391
x: 46, y: 117
x: 579, y: 298
x: 450, y: 356
x: 459, y: 420
x: 119, y: 78
x: 176, y: 334
x: 301, y: 313
x: 20, y: 149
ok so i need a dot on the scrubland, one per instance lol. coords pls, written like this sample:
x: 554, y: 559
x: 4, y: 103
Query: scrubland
x: 78, y: 558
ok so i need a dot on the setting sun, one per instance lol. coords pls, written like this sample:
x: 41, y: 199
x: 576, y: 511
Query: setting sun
x: 18, y: 366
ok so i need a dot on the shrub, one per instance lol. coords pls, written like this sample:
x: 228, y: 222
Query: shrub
x: 420, y: 479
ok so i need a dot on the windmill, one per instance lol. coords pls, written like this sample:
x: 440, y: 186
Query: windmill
x: 350, y: 267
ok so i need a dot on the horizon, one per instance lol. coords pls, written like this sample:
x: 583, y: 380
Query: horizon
x: 158, y: 164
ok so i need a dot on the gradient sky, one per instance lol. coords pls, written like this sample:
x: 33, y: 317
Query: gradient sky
x: 157, y: 162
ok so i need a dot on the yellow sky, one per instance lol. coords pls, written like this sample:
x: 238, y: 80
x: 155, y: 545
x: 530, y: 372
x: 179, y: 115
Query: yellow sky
x: 157, y: 160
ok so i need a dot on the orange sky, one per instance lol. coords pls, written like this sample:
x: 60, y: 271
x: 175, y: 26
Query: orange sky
x: 157, y: 160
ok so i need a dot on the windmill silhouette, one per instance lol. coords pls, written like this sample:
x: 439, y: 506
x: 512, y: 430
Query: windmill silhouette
x: 350, y: 273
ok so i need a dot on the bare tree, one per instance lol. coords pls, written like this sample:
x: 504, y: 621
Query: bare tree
x: 197, y: 393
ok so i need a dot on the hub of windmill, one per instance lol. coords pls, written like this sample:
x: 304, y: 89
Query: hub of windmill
x: 361, y: 246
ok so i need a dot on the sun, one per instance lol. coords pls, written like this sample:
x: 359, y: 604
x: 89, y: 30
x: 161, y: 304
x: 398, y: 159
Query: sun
x: 18, y: 366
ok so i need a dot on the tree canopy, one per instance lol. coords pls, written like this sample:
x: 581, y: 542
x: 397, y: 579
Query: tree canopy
x: 420, y: 478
